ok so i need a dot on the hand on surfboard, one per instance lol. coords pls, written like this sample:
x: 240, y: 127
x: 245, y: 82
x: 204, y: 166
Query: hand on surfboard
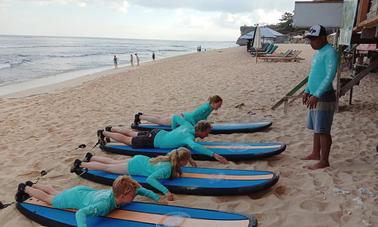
x: 170, y: 196
x: 163, y: 200
x: 192, y: 163
x: 220, y: 158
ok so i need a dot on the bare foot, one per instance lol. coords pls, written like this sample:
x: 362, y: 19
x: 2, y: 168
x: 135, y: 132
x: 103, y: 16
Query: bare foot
x: 311, y: 157
x: 319, y: 165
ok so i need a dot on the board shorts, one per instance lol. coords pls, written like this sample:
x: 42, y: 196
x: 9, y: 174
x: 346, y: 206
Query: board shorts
x: 144, y: 139
x: 320, y: 118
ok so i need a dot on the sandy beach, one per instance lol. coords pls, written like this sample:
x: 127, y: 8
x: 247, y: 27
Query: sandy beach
x: 41, y: 132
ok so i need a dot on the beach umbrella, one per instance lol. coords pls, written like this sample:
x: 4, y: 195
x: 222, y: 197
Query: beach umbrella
x: 257, y: 40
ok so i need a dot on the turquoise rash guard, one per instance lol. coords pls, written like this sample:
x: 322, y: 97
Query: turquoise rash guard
x: 201, y: 113
x: 91, y: 202
x: 180, y: 137
x: 323, y: 71
x: 141, y: 165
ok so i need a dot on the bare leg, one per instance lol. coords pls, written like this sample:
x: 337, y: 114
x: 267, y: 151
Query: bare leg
x: 48, y: 189
x: 39, y: 194
x: 315, y: 155
x: 118, y: 137
x: 160, y: 120
x: 119, y: 168
x: 124, y: 131
x: 106, y: 160
x: 325, y: 143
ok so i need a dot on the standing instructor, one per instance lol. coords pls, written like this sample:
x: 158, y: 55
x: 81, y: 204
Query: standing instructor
x: 319, y: 96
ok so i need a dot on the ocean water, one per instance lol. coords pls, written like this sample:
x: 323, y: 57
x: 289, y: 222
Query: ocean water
x: 32, y: 58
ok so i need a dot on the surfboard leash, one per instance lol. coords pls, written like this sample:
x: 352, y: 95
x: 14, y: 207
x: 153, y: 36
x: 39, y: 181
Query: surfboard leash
x: 43, y: 173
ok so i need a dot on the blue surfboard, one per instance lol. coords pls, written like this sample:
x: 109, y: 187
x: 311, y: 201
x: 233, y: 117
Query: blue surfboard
x: 231, y: 151
x: 217, y: 128
x: 200, y: 181
x: 136, y: 214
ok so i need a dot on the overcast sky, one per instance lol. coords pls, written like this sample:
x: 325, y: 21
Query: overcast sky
x: 142, y: 19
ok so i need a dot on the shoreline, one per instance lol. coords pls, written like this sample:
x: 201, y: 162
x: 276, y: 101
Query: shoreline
x: 71, y: 79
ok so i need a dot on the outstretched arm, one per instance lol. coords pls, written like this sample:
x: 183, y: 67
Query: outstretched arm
x: 148, y: 193
x: 153, y: 179
x: 203, y: 150
x: 97, y: 209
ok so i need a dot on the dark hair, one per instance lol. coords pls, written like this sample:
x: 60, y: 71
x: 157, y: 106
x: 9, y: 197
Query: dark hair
x: 202, y: 126
x: 215, y: 99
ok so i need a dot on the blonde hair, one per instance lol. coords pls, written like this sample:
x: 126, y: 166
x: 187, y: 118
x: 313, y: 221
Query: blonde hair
x: 202, y: 126
x: 124, y: 185
x: 174, y: 157
x: 215, y: 99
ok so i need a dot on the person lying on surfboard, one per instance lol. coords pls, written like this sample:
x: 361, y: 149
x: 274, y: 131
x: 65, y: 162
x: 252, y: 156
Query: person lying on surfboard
x: 162, y: 167
x: 184, y: 135
x: 88, y: 201
x: 201, y: 113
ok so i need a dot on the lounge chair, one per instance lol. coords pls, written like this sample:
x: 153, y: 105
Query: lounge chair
x: 268, y: 50
x: 287, y: 53
x: 264, y: 48
x: 293, y: 57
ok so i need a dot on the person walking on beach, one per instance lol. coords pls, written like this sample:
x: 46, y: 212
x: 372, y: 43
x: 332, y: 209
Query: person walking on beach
x: 115, y: 59
x: 182, y: 136
x: 137, y: 58
x: 319, y: 96
x: 153, y: 56
x: 131, y: 60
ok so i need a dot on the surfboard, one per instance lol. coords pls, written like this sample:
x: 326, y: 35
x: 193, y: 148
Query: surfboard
x: 231, y: 151
x: 200, y: 181
x: 217, y: 128
x: 136, y: 214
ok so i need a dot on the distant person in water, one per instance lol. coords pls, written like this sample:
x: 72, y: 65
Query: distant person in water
x: 182, y: 136
x: 137, y: 58
x: 115, y: 59
x: 131, y: 60
x: 153, y: 56
x: 200, y: 113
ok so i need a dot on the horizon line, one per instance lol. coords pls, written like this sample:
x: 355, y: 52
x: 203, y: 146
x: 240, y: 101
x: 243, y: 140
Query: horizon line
x: 99, y: 37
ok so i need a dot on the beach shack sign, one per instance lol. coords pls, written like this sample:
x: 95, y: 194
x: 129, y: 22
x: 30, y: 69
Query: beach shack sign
x: 327, y: 13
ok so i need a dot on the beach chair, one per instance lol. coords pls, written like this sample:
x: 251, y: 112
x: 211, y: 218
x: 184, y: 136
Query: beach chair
x: 268, y: 50
x: 264, y: 48
x: 293, y: 57
x: 287, y: 53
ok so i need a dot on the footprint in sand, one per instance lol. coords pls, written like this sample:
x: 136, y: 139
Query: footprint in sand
x: 280, y: 191
x: 313, y: 205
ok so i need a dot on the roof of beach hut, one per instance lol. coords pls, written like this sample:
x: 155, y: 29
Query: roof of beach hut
x: 265, y: 33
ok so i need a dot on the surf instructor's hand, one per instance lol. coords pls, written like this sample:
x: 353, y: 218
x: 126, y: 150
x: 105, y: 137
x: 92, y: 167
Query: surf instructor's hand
x: 305, y: 98
x: 312, y: 101
x: 220, y: 158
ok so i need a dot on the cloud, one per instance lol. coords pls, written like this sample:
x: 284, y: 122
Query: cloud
x: 80, y: 3
x: 230, y: 6
x: 120, y: 6
x: 227, y: 6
